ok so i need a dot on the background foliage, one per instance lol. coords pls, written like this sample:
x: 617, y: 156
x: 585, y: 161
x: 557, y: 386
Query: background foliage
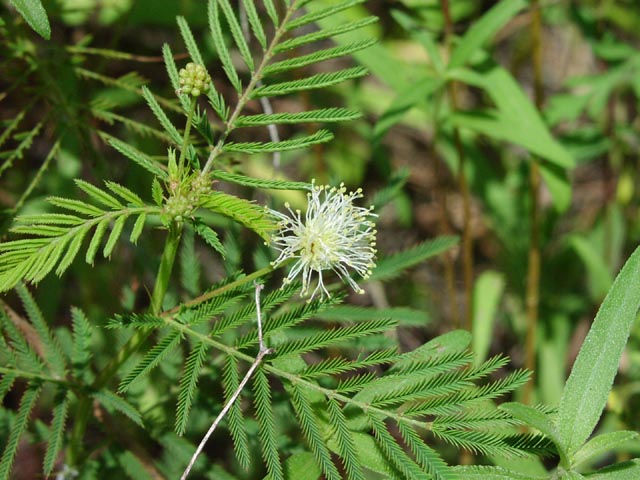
x: 498, y: 140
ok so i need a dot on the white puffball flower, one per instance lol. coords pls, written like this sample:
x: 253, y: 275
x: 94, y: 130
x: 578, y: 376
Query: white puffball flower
x: 334, y: 234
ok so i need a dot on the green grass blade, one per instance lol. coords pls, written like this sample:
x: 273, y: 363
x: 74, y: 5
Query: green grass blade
x: 484, y: 29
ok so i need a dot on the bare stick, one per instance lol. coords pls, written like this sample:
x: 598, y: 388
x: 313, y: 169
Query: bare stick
x: 261, y: 354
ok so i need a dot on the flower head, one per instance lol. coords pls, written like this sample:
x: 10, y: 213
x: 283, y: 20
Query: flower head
x: 194, y: 79
x: 334, y: 234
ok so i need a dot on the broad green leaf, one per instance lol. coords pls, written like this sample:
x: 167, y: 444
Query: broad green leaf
x: 35, y: 15
x: 484, y: 29
x: 595, y: 264
x: 487, y: 293
x: 588, y: 386
x: 620, y: 471
x: 300, y: 466
x: 517, y: 119
x: 422, y: 36
x: 558, y: 184
x: 405, y: 100
x: 492, y: 473
x: 602, y: 444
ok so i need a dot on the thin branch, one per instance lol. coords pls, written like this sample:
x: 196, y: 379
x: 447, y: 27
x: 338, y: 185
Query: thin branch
x: 261, y: 354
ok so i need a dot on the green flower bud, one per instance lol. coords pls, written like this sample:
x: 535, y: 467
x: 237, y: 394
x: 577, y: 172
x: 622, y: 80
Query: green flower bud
x: 194, y: 79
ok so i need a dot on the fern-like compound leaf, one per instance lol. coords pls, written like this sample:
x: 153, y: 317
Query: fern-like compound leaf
x: 266, y: 421
x: 99, y: 196
x: 138, y: 157
x: 189, y: 41
x: 320, y: 80
x: 394, y: 452
x: 255, y: 23
x: 172, y: 72
x: 425, y: 456
x: 235, y: 418
x: 138, y: 226
x: 21, y: 353
x: 312, y: 431
x: 209, y: 236
x: 161, y: 116
x: 321, y: 136
x: 317, y: 57
x: 286, y: 320
x: 141, y: 321
x: 260, y: 183
x: 82, y: 332
x: 236, y: 32
x: 391, y: 267
x: 125, y: 194
x: 296, y: 42
x: 340, y: 366
x: 248, y: 312
x: 54, y: 356
x: 324, y: 115
x: 115, y: 403
x: 271, y: 11
x: 18, y: 428
x: 221, y: 47
x: 151, y: 359
x: 116, y: 231
x: 59, y: 237
x: 242, y: 211
x: 188, y: 384
x: 210, y: 309
x: 334, y: 336
x: 322, y: 13
x: 344, y: 440
x: 56, y: 432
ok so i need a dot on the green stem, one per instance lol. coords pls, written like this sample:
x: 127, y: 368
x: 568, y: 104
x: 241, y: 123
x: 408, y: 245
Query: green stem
x: 159, y: 290
x: 218, y: 291
x: 185, y: 138
x: 463, y: 185
x: 532, y: 299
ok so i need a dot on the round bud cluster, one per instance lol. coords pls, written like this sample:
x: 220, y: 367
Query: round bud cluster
x: 182, y: 205
x: 194, y: 79
x: 178, y: 207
